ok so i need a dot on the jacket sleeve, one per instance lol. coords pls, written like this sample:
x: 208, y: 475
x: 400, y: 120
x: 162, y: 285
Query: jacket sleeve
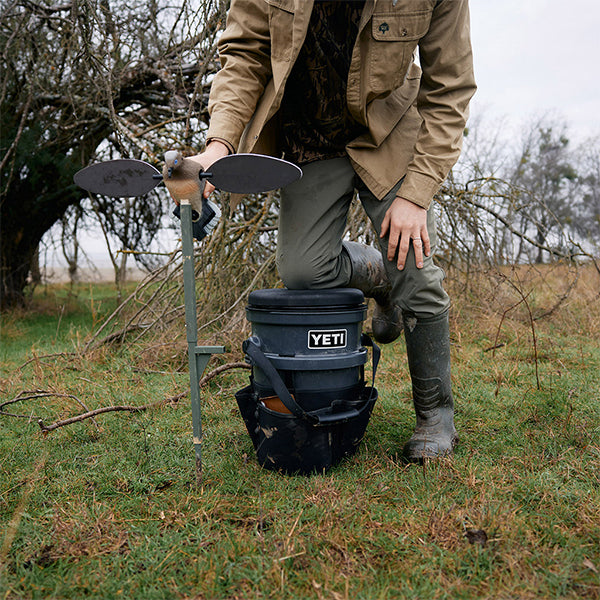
x: 244, y: 52
x: 447, y: 85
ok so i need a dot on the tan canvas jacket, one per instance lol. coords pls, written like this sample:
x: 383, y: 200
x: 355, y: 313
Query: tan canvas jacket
x: 415, y: 118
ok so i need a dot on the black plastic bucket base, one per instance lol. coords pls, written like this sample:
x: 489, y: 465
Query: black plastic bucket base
x: 293, y: 445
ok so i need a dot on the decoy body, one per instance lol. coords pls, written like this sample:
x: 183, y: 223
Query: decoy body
x: 182, y: 178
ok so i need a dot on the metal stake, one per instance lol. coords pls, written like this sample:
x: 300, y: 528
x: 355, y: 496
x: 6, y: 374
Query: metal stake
x: 198, y: 356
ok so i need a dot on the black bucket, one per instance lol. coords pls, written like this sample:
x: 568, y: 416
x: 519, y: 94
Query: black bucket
x: 307, y: 406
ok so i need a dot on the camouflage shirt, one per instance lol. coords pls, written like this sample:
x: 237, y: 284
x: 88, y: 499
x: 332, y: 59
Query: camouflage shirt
x: 316, y: 123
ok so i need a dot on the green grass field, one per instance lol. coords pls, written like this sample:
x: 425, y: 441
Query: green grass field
x: 109, y: 509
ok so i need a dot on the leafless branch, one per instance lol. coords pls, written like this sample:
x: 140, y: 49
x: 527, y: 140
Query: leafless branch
x: 90, y: 414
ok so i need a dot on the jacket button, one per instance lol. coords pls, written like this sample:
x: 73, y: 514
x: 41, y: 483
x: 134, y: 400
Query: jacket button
x: 404, y: 32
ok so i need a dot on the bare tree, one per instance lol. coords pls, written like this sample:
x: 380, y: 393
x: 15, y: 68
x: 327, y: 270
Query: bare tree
x: 586, y: 217
x: 87, y: 79
x: 546, y: 179
x: 69, y: 240
x: 511, y: 201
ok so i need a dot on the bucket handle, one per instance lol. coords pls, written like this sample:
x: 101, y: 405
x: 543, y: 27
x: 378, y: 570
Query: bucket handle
x: 365, y: 340
x: 252, y: 348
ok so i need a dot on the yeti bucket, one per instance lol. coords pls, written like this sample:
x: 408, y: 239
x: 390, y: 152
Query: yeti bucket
x: 307, y: 405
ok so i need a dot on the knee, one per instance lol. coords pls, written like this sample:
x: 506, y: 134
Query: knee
x: 297, y: 274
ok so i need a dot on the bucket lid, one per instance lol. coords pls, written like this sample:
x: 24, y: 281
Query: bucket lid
x: 277, y: 298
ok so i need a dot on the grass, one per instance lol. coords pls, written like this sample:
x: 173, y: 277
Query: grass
x: 110, y: 510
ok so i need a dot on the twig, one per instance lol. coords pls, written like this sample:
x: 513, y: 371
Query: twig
x: 531, y: 321
x: 53, y: 355
x: 495, y: 347
x: 119, y: 408
x: 34, y: 394
x: 243, y: 295
x: 496, y: 344
x: 562, y: 298
x: 508, y: 224
x: 117, y: 335
x: 235, y: 365
x: 99, y: 411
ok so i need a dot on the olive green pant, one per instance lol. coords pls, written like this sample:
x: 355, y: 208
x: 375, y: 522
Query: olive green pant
x: 312, y: 221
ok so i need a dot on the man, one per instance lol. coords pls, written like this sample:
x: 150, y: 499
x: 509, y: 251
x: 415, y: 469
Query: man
x: 334, y: 87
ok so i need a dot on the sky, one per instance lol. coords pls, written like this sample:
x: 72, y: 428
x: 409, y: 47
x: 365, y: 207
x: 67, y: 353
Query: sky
x: 535, y: 58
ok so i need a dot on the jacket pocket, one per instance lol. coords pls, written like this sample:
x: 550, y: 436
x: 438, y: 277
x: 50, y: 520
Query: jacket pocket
x: 281, y: 19
x: 394, y: 38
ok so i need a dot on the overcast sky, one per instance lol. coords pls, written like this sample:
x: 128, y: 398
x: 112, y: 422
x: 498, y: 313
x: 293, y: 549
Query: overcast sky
x: 534, y: 57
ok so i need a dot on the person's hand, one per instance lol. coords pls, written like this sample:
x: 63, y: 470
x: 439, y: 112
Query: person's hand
x: 185, y: 182
x: 212, y: 153
x: 406, y: 223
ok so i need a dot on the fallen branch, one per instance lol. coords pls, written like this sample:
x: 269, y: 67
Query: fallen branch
x: 236, y: 365
x: 34, y: 394
x: 99, y: 411
x: 116, y: 336
x: 497, y: 345
x: 90, y: 414
x: 36, y: 358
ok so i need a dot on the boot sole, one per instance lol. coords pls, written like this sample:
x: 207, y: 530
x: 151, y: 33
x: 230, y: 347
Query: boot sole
x: 416, y: 458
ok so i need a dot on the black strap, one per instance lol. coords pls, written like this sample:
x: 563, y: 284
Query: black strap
x: 365, y: 340
x: 252, y: 348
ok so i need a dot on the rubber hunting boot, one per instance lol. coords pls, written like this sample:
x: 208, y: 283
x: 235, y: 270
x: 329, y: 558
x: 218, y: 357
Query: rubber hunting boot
x: 428, y: 351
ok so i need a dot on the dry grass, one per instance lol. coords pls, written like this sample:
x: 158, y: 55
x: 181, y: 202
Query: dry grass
x: 113, y: 511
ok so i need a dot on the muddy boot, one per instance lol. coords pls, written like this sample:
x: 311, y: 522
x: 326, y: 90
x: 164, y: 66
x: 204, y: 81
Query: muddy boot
x: 428, y: 351
x: 369, y: 276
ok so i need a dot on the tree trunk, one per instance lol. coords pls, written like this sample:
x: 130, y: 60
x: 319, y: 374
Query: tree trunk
x: 25, y: 219
x: 15, y: 268
x: 541, y: 239
x: 36, y: 273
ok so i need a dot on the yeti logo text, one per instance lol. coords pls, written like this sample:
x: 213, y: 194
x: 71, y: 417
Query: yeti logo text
x: 327, y: 339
